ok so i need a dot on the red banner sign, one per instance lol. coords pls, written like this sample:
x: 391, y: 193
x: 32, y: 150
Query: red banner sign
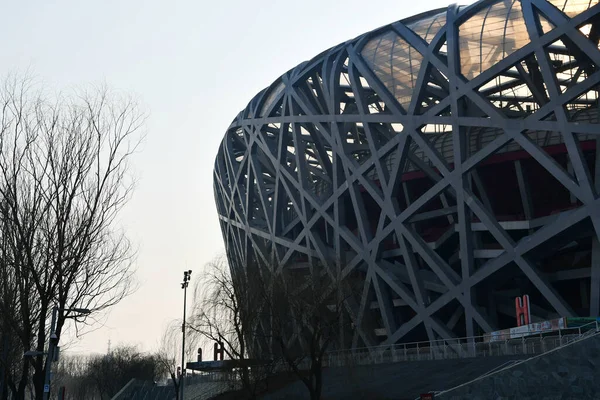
x: 522, y: 308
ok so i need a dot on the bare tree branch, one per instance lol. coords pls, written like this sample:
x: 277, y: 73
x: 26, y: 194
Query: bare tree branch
x: 64, y: 178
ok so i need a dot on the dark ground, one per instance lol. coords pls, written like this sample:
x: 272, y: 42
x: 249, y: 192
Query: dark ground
x: 397, y: 381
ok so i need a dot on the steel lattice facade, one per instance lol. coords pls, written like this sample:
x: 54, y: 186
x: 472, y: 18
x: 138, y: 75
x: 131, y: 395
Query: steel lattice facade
x: 445, y: 164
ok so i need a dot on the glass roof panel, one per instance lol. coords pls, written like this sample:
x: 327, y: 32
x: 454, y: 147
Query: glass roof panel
x: 395, y: 63
x: 429, y: 27
x: 573, y: 7
x: 491, y: 35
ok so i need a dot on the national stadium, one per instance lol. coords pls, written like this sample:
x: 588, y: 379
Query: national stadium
x: 442, y: 165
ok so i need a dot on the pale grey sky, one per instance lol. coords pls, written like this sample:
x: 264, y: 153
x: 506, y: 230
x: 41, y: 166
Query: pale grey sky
x: 194, y: 65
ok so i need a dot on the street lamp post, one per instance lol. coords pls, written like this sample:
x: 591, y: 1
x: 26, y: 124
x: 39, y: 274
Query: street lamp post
x: 184, y: 285
x: 52, y: 344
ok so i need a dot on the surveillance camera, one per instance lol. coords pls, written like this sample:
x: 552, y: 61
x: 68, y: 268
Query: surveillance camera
x: 54, y: 338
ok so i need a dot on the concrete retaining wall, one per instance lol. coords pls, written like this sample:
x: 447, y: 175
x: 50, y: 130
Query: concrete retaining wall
x: 571, y: 372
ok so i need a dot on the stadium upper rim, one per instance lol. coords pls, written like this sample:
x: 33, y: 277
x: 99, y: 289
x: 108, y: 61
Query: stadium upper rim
x: 415, y: 23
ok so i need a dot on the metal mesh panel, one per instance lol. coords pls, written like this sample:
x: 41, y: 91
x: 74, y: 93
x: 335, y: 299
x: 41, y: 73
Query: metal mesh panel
x: 395, y: 63
x: 573, y: 7
x: 491, y: 35
x: 429, y: 27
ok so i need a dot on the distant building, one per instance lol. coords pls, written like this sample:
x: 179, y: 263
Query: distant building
x: 443, y: 165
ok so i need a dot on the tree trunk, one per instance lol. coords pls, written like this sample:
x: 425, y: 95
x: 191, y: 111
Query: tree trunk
x: 247, y: 384
x: 20, y: 395
x: 3, y: 366
x: 38, y: 384
x: 175, y: 386
x: 317, y: 372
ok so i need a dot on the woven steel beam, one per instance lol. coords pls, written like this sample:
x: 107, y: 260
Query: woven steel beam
x: 424, y: 178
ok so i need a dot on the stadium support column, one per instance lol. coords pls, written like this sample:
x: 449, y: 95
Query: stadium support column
x: 461, y: 180
x: 524, y: 191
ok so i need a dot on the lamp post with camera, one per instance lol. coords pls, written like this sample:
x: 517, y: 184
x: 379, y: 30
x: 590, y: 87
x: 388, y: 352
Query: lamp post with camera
x: 184, y: 285
x: 52, y: 354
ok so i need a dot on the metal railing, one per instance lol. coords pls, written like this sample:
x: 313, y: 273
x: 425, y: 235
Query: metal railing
x: 206, y: 385
x: 478, y: 346
x: 212, y: 385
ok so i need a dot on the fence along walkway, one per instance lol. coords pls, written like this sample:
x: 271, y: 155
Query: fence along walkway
x: 204, y: 386
x: 209, y: 384
x: 532, y: 344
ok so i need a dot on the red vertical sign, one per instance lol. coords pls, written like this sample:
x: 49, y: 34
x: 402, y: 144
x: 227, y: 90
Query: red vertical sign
x: 522, y: 308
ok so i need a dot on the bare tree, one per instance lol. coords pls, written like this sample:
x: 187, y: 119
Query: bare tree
x: 102, y: 376
x: 108, y: 373
x: 307, y: 309
x: 227, y: 311
x: 73, y: 373
x: 169, y: 354
x: 64, y: 165
x: 279, y: 316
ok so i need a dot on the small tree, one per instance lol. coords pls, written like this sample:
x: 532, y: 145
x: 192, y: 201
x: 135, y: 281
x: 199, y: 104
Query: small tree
x: 289, y: 316
x: 110, y: 372
x: 73, y: 373
x: 169, y: 354
x: 227, y: 310
x: 306, y: 309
